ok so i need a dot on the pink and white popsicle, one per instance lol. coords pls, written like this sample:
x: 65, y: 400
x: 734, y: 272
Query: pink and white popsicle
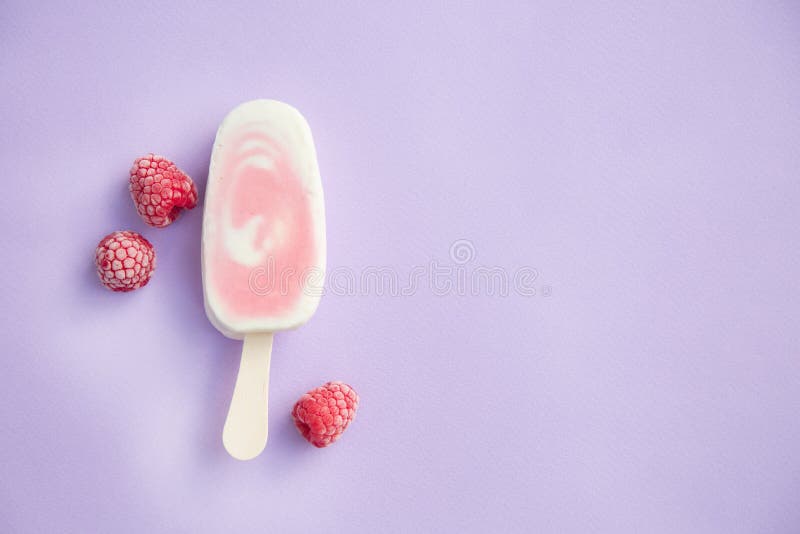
x: 263, y: 244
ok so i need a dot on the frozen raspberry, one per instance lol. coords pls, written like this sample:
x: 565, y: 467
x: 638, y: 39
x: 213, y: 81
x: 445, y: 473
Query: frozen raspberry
x: 160, y: 190
x: 322, y: 414
x: 125, y: 261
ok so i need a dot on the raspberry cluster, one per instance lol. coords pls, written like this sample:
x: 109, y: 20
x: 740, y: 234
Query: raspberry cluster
x: 160, y: 190
x: 125, y: 261
x: 322, y: 414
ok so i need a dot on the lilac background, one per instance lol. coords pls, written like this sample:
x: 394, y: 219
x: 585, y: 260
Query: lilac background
x: 644, y: 159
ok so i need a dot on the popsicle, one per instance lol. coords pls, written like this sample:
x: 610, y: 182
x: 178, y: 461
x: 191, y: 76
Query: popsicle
x: 263, y: 249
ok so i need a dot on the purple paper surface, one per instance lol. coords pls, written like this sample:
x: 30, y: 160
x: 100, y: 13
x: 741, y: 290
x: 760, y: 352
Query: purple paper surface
x: 636, y: 168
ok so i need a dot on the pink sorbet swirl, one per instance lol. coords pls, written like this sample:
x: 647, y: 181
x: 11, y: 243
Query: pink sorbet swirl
x: 259, y: 188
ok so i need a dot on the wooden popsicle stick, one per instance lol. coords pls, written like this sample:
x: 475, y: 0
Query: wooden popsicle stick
x: 245, y: 432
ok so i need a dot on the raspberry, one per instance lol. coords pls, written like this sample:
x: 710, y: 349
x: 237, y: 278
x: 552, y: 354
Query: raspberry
x: 322, y: 414
x: 160, y: 190
x: 125, y: 261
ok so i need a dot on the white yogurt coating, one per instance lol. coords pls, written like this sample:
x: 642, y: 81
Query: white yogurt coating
x: 263, y: 244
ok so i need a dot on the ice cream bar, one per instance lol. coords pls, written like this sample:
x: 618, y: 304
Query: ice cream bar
x: 263, y: 248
